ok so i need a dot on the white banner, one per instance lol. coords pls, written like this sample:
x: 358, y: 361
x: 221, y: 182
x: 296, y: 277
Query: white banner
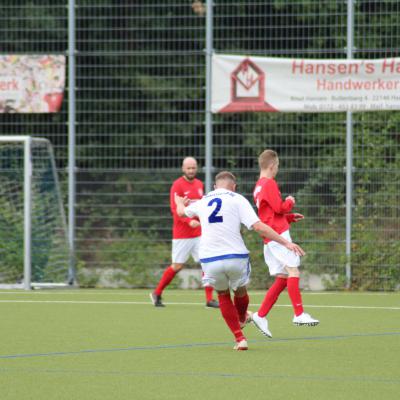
x: 31, y: 83
x: 249, y: 84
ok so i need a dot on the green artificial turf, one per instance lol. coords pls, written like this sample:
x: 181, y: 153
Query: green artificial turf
x: 99, y: 344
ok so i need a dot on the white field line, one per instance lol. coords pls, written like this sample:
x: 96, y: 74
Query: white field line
x: 47, y: 292
x: 184, y: 304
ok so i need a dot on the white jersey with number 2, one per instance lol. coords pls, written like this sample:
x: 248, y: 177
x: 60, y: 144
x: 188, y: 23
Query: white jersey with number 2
x: 221, y: 212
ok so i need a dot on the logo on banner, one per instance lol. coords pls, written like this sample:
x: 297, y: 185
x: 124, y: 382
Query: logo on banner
x: 247, y: 89
x: 31, y: 83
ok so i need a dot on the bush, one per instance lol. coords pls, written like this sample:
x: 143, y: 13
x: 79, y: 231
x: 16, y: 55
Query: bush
x: 138, y: 259
x: 11, y: 242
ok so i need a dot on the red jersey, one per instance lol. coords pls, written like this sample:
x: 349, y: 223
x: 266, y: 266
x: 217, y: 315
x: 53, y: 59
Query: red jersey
x: 272, y: 210
x: 193, y: 190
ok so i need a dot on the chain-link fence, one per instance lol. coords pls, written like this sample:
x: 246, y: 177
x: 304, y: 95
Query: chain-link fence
x: 140, y: 108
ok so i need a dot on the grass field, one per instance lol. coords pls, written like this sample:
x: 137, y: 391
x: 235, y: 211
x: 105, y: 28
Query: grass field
x: 99, y: 344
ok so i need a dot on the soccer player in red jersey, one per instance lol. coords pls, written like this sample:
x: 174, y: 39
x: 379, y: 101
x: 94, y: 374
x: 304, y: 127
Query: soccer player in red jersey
x: 186, y: 232
x: 282, y: 263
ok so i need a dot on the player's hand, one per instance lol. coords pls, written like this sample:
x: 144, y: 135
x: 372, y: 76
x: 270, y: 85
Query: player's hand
x: 194, y: 223
x: 291, y: 198
x: 181, y: 200
x: 297, y: 217
x: 296, y: 249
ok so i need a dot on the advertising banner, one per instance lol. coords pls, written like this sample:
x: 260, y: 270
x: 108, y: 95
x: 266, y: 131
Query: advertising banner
x: 31, y: 83
x: 250, y: 84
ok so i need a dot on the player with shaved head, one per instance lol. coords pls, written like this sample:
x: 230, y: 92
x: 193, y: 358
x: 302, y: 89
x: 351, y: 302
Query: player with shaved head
x: 186, y: 232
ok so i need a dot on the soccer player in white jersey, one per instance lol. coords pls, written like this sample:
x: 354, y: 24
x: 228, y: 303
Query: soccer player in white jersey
x: 223, y: 255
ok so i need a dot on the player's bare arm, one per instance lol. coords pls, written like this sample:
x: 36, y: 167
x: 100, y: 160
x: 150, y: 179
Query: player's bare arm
x: 297, y: 217
x: 180, y: 205
x: 296, y: 249
x: 266, y: 231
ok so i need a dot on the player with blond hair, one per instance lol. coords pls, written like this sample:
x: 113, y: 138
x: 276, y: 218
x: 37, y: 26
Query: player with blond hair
x: 282, y: 263
x: 223, y: 255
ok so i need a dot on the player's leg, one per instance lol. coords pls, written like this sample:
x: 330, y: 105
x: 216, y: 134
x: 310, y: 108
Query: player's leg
x: 241, y: 301
x: 230, y: 315
x: 180, y: 254
x: 214, y: 274
x: 272, y: 295
x: 293, y: 287
x: 293, y: 284
x: 239, y: 277
x: 292, y: 263
x: 289, y: 263
x: 210, y: 301
x: 276, y: 268
x: 167, y: 276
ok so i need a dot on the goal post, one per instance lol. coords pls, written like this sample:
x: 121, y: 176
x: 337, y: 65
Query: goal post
x: 34, y: 248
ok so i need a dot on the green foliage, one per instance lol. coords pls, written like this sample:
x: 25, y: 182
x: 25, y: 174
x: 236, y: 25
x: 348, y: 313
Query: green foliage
x: 11, y: 241
x: 86, y: 278
x: 138, y: 260
x: 375, y: 258
x: 143, y: 110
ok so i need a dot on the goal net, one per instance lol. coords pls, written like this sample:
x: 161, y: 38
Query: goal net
x: 33, y: 232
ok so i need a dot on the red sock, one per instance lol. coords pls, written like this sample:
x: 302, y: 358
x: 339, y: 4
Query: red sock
x: 167, y: 277
x: 230, y: 315
x: 241, y: 304
x: 295, y: 295
x: 271, y: 296
x: 209, y: 293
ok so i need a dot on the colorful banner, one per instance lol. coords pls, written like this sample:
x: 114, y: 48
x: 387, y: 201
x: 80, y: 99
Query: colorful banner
x: 31, y: 84
x: 249, y: 84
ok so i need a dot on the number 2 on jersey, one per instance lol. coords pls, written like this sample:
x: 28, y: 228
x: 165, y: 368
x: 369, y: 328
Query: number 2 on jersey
x: 214, y: 217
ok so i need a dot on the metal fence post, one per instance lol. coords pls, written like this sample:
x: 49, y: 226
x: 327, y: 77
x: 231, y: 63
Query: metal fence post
x: 27, y: 213
x: 71, y: 137
x: 209, y: 128
x: 349, y: 149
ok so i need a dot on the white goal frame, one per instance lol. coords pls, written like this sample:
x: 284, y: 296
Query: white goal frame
x: 27, y: 143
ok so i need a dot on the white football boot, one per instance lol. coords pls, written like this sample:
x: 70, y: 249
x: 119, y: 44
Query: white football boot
x: 305, y: 319
x: 261, y: 324
x: 242, y: 345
